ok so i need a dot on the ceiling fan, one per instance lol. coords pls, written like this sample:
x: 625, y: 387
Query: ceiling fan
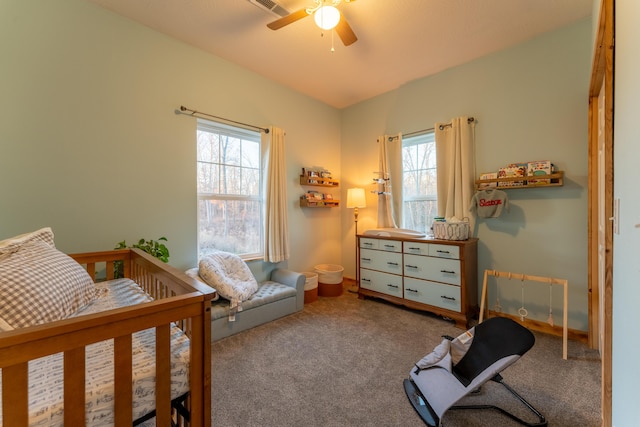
x: 327, y: 17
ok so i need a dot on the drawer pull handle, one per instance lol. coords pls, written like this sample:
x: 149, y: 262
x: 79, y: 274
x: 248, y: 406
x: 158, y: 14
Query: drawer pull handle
x: 411, y: 266
x: 390, y: 246
x: 392, y: 263
x: 446, y: 297
x: 443, y: 252
x: 392, y: 286
x: 447, y: 271
x: 365, y: 280
x: 365, y: 259
x: 411, y: 290
x: 414, y: 249
x: 367, y: 243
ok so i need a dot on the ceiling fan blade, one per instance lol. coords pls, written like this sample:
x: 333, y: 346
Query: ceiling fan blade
x: 289, y: 19
x: 345, y: 32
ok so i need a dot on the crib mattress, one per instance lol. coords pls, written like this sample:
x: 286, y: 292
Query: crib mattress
x: 46, y: 374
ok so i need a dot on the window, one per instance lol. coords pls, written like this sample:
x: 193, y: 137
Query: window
x: 229, y: 190
x: 419, y: 181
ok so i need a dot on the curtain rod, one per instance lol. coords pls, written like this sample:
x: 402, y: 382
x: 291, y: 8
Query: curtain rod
x: 418, y: 132
x: 447, y: 125
x: 194, y: 112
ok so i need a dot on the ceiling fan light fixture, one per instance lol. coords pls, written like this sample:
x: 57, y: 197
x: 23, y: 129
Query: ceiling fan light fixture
x: 327, y: 17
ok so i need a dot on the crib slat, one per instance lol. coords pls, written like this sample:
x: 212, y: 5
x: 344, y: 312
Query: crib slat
x: 91, y: 269
x: 109, y: 271
x: 163, y: 375
x: 74, y: 384
x: 15, y: 403
x: 199, y: 378
x: 123, y: 380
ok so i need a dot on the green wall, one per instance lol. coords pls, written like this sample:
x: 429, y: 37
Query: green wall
x: 90, y: 143
x: 531, y: 103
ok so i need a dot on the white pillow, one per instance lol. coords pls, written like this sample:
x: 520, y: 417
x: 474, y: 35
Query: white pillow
x: 229, y: 275
x: 193, y: 273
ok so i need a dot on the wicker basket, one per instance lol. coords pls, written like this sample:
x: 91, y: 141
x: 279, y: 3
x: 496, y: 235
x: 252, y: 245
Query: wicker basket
x: 451, y: 230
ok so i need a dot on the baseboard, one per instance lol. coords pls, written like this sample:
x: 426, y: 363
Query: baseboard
x: 544, y: 327
x: 348, y: 282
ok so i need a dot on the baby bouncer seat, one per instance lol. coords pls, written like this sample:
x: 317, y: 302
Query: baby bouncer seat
x: 460, y: 366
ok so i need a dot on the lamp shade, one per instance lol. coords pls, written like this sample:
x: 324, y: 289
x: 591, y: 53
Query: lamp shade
x: 356, y: 198
x: 327, y: 17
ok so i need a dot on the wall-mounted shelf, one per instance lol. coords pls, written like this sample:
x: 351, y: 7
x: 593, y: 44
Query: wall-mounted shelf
x: 555, y: 179
x: 315, y: 199
x: 319, y: 204
x: 318, y: 181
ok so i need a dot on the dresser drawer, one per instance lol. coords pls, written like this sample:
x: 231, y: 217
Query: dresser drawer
x: 383, y: 245
x: 381, y: 282
x: 390, y: 246
x: 444, y: 251
x: 369, y: 243
x: 416, y: 248
x: 389, y: 262
x: 436, y: 294
x: 432, y: 268
x: 432, y: 249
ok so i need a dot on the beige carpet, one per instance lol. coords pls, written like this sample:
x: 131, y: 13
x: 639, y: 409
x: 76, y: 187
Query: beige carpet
x: 341, y: 362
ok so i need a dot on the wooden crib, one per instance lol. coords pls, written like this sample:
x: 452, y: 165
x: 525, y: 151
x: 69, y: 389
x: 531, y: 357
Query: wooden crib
x: 178, y: 300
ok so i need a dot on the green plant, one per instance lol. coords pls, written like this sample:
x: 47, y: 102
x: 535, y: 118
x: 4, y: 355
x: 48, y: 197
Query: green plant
x: 152, y: 247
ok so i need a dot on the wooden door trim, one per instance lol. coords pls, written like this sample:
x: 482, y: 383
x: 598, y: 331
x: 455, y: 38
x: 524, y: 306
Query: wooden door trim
x: 602, y: 70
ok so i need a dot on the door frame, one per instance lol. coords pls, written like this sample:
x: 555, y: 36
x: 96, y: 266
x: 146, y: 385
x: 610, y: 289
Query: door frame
x: 602, y: 293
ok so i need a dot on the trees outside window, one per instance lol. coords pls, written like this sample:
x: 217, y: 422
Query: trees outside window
x: 229, y: 184
x: 419, y: 181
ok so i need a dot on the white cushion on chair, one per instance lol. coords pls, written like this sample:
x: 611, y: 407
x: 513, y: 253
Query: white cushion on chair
x: 193, y: 273
x: 229, y: 275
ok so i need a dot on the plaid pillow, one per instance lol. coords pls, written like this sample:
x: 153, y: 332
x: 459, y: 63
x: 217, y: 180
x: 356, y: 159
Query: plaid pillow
x: 14, y: 243
x: 39, y: 284
x: 4, y: 326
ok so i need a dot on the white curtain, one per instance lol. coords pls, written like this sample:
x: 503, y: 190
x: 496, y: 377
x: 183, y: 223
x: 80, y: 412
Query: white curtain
x: 455, y: 154
x: 276, y: 242
x: 390, y: 188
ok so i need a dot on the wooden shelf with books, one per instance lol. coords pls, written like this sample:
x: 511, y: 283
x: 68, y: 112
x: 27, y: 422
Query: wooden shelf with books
x: 306, y: 203
x: 555, y: 179
x: 318, y: 181
x: 318, y: 177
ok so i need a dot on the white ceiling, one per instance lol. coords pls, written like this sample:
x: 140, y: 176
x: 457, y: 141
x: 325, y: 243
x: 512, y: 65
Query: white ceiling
x: 398, y: 40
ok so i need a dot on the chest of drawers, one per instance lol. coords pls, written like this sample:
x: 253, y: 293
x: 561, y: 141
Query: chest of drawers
x: 438, y: 276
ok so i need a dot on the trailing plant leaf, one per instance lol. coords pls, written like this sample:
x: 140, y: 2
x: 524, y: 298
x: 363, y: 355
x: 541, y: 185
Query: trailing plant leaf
x: 152, y: 247
x: 155, y: 248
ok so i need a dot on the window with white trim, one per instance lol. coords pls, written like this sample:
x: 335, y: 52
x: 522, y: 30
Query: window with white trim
x: 419, y: 181
x: 229, y: 167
